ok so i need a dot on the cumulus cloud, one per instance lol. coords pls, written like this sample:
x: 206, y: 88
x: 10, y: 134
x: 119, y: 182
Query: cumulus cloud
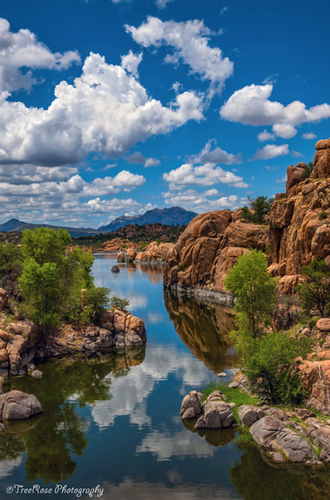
x: 189, y: 42
x: 271, y: 151
x: 23, y: 50
x: 265, y: 136
x: 199, y: 202
x: 131, y: 62
x: 203, y: 175
x: 251, y: 106
x: 309, y: 135
x: 105, y: 110
x: 217, y: 155
x: 161, y: 4
x: 138, y: 158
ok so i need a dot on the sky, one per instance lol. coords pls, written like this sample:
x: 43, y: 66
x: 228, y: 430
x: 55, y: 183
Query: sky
x: 112, y: 107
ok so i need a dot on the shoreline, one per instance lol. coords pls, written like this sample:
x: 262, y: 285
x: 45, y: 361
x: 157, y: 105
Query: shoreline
x: 201, y: 294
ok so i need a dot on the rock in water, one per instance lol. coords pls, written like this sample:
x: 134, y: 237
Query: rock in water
x: 121, y: 257
x: 217, y: 415
x: 16, y: 405
x: 115, y: 269
x: 274, y: 435
x: 191, y: 406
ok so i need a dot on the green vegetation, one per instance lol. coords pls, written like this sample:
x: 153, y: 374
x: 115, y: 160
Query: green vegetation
x: 118, y: 302
x: 268, y: 356
x: 308, y: 170
x: 254, y: 289
x: 260, y: 207
x: 315, y: 292
x: 322, y: 215
x: 10, y: 265
x: 56, y: 283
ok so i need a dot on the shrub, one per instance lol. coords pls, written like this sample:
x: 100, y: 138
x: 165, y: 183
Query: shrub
x: 269, y: 366
x: 118, y: 302
x: 322, y: 215
x: 261, y: 206
x: 286, y: 312
x: 315, y: 292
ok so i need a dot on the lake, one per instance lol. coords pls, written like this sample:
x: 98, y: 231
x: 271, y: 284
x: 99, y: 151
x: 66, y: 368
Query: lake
x: 113, y: 422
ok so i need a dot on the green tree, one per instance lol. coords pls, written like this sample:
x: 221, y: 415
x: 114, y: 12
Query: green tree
x: 254, y: 288
x: 314, y: 293
x: 10, y: 265
x: 308, y: 170
x: 261, y: 206
x: 118, y: 302
x: 56, y: 282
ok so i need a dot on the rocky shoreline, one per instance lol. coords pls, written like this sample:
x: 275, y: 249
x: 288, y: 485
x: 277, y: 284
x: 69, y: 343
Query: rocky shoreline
x: 287, y: 435
x: 21, y: 344
x: 204, y: 294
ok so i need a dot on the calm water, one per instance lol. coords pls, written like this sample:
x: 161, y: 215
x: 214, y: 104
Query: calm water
x: 114, y: 421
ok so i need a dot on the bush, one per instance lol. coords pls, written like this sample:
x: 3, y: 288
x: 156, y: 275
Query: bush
x: 269, y: 366
x: 286, y: 312
x: 261, y: 206
x: 308, y: 170
x: 118, y: 302
x: 322, y: 215
x: 315, y: 292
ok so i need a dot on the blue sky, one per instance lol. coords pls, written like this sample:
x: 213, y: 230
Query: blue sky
x: 111, y: 107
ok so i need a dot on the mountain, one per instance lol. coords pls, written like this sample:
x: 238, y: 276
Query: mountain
x: 166, y: 216
x: 19, y: 225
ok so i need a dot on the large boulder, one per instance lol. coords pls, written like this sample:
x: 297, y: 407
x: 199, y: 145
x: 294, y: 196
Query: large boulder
x: 217, y: 414
x: 130, y: 255
x: 191, y: 405
x: 16, y: 405
x: 249, y: 414
x: 272, y: 434
x: 155, y: 251
x: 121, y: 257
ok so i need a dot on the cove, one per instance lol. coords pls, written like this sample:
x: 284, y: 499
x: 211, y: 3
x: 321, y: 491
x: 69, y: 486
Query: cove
x: 114, y: 421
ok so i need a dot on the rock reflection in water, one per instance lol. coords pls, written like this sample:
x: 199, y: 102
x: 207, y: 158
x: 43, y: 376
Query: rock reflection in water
x: 204, y: 328
x: 215, y: 437
x: 154, y: 270
x: 52, y: 438
x: 255, y: 477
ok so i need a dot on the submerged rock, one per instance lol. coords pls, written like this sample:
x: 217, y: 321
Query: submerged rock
x: 16, y: 405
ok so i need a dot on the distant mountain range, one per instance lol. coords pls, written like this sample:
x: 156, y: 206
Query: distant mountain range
x: 166, y: 216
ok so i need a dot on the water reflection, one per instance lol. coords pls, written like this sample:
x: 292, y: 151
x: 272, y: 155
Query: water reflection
x: 204, y: 328
x: 52, y: 438
x: 257, y: 478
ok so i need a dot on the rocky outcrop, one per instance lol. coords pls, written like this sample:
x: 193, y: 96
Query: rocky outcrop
x: 273, y: 434
x: 130, y: 255
x: 299, y: 220
x: 210, y: 245
x: 15, y: 405
x: 121, y: 257
x: 315, y: 376
x: 298, y: 231
x: 116, y: 245
x: 20, y: 341
x: 154, y: 252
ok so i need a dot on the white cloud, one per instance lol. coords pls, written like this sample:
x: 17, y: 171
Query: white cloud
x: 199, y: 202
x: 309, y: 135
x: 161, y: 4
x: 211, y: 192
x: 265, y: 136
x: 203, y: 175
x: 23, y: 50
x: 271, y: 151
x: 251, y: 106
x: 218, y: 155
x: 131, y: 62
x: 189, y: 42
x: 105, y: 110
x: 152, y: 162
x: 284, y: 179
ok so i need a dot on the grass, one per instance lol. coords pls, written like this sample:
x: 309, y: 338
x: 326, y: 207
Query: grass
x: 233, y: 396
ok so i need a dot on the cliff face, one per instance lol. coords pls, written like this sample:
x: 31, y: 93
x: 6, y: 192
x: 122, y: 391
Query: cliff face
x: 209, y: 246
x: 298, y: 231
x: 299, y: 220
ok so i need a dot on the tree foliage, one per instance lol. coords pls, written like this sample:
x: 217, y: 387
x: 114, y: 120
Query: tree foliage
x: 10, y: 265
x: 270, y: 366
x: 260, y: 207
x: 254, y: 288
x: 56, y: 283
x: 315, y: 292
